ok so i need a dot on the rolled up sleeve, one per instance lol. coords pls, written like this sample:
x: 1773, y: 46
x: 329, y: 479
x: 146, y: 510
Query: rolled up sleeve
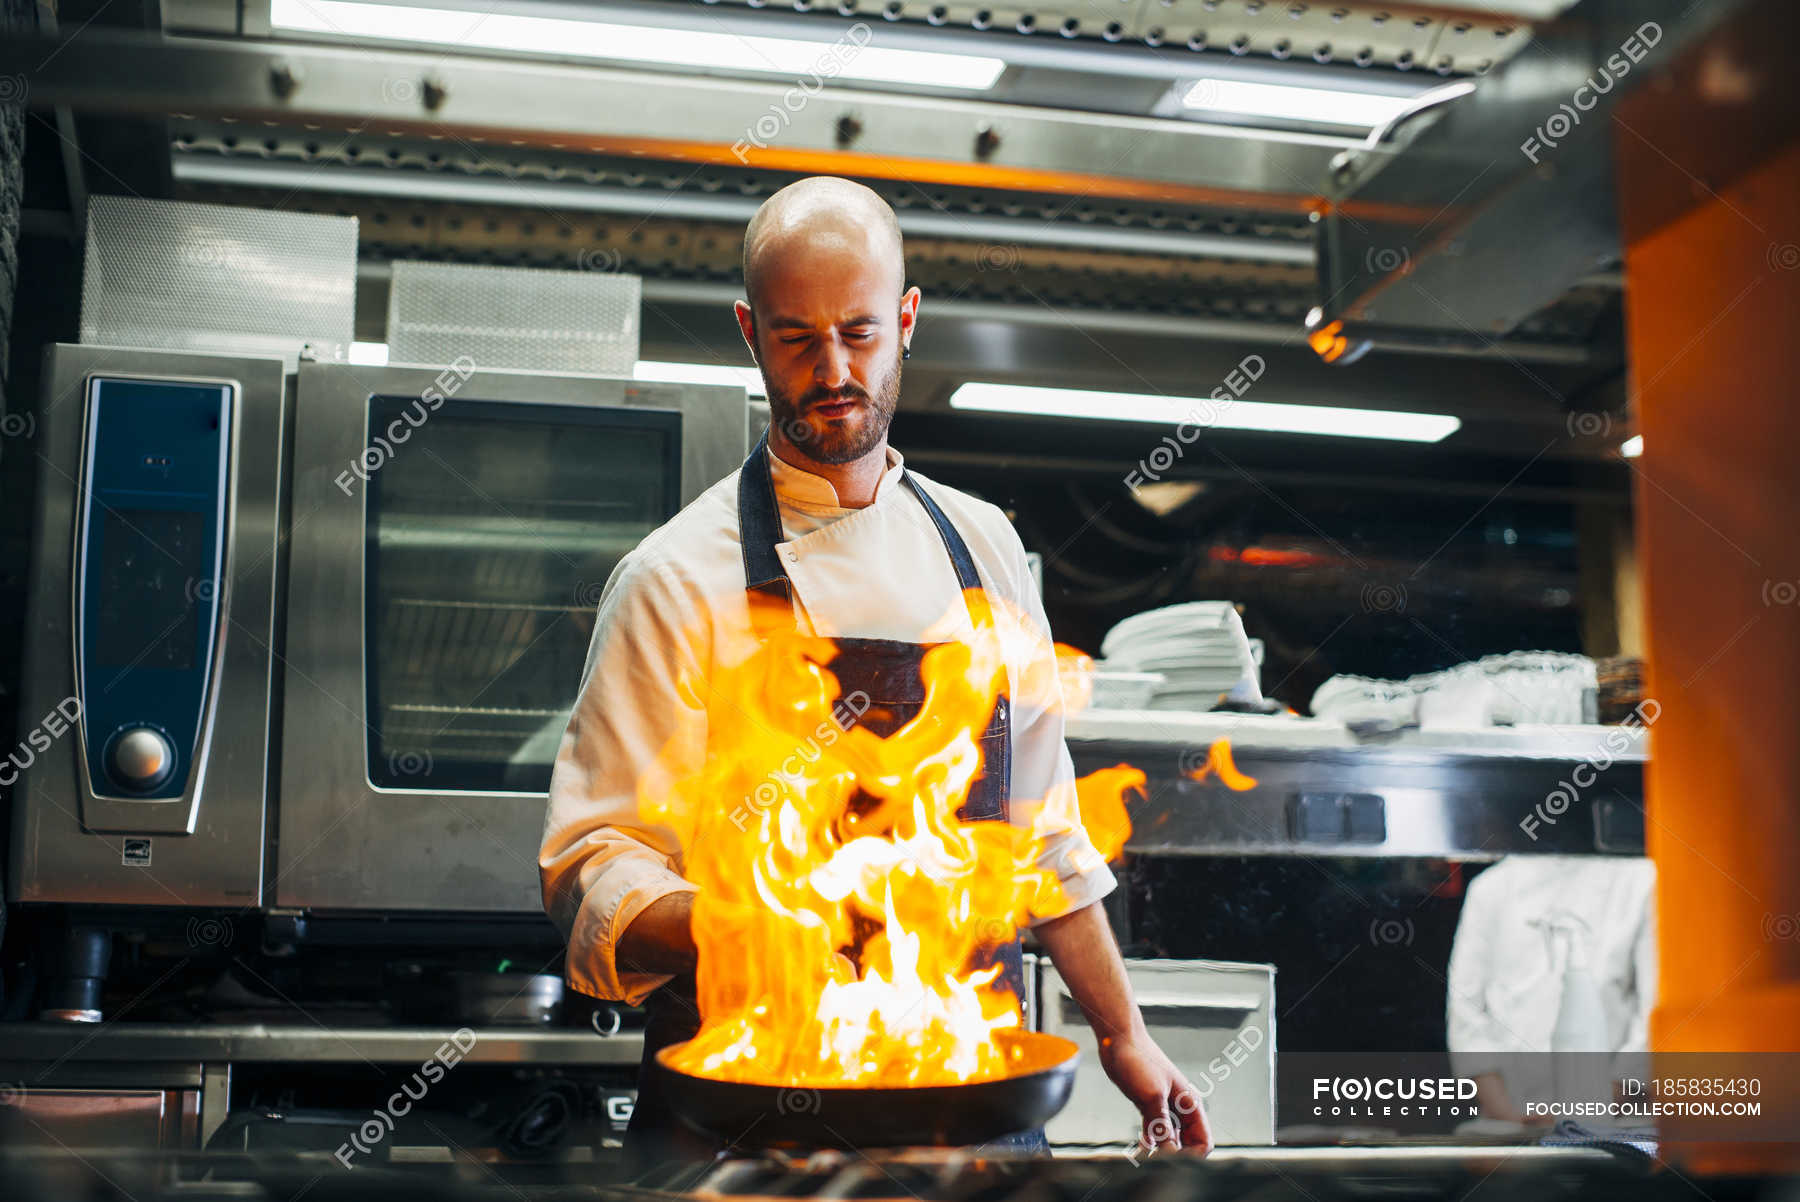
x: 601, y: 861
x: 1043, y: 773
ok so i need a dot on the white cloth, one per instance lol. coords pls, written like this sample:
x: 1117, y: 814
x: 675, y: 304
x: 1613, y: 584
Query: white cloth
x: 1507, y: 977
x: 676, y: 605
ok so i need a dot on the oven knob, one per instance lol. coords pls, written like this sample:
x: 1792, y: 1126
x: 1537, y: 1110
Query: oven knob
x: 142, y: 758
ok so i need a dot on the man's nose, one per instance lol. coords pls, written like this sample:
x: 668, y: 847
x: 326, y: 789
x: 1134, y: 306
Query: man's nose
x: 831, y: 369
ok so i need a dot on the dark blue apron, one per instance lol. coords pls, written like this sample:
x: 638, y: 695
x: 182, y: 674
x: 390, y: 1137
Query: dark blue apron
x: 887, y: 672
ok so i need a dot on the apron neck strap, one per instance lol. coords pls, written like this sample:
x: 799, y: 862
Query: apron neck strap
x: 759, y: 529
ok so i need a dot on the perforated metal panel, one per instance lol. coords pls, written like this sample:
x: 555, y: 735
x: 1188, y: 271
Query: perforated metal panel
x: 514, y: 317
x: 186, y: 276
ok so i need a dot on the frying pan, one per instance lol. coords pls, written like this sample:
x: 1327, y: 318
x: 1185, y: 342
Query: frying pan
x: 746, y: 1115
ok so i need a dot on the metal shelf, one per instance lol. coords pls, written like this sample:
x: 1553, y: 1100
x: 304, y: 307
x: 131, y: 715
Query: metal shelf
x: 1477, y: 794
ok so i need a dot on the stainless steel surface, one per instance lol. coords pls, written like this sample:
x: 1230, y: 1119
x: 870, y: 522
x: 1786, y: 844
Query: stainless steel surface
x: 1215, y: 1019
x: 1485, y: 217
x: 602, y: 108
x: 344, y: 842
x: 29, y: 1047
x: 1179, y: 730
x: 736, y: 210
x: 98, y: 1118
x: 143, y: 757
x: 215, y: 1098
x: 174, y: 275
x: 1377, y: 801
x: 514, y: 317
x: 507, y: 999
x: 206, y: 848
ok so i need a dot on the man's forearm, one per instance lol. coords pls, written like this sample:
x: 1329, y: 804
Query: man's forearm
x: 1086, y: 955
x: 661, y: 938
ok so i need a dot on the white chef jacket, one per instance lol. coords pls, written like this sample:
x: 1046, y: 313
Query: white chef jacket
x: 1506, y: 985
x: 676, y: 604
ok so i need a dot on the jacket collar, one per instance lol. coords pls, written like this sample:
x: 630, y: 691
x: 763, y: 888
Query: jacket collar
x: 799, y: 485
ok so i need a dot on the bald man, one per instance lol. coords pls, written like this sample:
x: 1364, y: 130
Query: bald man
x: 825, y: 518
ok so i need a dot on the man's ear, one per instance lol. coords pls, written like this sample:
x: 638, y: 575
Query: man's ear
x: 909, y: 313
x: 746, y: 326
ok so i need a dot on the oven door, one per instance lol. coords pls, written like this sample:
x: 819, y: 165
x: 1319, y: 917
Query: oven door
x: 451, y: 534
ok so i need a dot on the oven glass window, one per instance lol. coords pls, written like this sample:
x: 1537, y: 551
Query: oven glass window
x: 492, y: 528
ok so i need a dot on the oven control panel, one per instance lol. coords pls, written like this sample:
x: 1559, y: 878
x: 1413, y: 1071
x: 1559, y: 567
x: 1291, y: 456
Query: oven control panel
x: 149, y: 578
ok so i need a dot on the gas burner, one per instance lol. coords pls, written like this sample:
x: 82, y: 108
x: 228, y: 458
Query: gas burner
x: 908, y: 1173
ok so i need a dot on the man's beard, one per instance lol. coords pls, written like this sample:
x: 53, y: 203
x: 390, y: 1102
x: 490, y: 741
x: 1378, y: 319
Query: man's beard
x: 825, y: 441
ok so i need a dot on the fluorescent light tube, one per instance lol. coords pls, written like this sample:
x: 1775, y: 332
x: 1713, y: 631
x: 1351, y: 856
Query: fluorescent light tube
x: 1292, y: 102
x: 562, y: 36
x: 1219, y: 414
x: 369, y: 354
x: 699, y: 373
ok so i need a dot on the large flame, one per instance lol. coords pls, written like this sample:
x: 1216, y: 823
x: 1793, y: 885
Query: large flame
x: 843, y: 908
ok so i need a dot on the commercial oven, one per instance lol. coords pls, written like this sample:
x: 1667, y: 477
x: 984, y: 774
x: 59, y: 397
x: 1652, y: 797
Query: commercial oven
x: 141, y: 773
x: 451, y: 531
x: 310, y: 639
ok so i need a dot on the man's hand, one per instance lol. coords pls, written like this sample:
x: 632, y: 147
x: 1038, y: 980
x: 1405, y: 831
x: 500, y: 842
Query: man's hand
x: 1086, y: 955
x: 1174, y: 1115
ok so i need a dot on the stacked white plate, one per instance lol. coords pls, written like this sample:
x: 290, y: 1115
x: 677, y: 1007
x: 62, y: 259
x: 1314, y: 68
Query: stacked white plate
x: 1516, y: 689
x: 1199, y: 648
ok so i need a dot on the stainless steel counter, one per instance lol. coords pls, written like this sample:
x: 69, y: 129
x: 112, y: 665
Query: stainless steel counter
x: 1467, y: 794
x: 57, y: 1044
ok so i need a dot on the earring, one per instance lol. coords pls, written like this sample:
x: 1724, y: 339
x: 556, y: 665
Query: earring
x: 906, y: 352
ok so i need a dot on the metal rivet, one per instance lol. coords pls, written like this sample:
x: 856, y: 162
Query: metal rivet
x: 284, y: 77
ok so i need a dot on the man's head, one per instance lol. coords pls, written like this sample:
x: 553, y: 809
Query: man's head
x: 826, y: 318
